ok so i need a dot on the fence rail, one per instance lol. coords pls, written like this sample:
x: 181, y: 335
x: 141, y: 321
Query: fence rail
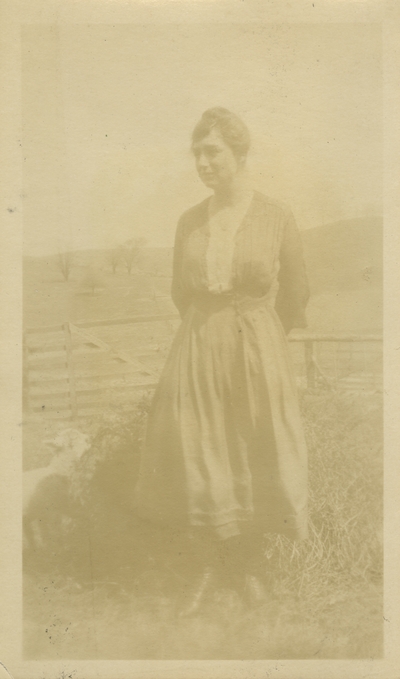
x: 69, y: 371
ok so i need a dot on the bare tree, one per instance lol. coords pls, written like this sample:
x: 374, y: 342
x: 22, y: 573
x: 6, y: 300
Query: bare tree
x: 64, y: 262
x: 114, y: 257
x: 131, y: 250
x: 92, y: 279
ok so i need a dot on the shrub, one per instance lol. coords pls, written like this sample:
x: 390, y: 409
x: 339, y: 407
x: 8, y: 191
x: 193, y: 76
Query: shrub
x: 109, y: 467
x: 92, y: 280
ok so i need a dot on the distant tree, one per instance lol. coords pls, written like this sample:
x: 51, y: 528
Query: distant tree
x: 114, y: 257
x: 93, y: 279
x: 65, y: 261
x: 131, y: 250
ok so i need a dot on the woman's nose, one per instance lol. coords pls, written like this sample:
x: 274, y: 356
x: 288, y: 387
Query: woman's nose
x: 202, y: 161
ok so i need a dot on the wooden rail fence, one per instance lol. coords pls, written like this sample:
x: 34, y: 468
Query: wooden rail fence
x: 70, y: 372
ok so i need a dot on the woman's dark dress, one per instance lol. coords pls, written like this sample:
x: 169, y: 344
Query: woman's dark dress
x: 224, y: 443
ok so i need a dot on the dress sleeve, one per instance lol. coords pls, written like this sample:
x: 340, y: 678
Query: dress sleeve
x: 178, y: 293
x: 293, y: 294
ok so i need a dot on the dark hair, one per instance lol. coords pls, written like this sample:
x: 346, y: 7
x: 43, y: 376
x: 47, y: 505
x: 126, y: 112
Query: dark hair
x: 232, y: 129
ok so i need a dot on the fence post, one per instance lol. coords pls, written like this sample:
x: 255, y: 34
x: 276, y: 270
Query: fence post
x: 70, y: 369
x: 310, y: 365
x: 25, y: 375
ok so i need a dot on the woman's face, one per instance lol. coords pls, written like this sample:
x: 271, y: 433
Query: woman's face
x: 215, y: 161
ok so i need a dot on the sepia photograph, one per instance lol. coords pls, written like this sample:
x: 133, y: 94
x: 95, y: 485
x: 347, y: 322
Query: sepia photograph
x: 202, y: 341
x: 199, y: 347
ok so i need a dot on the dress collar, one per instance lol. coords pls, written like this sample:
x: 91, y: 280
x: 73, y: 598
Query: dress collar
x: 255, y: 209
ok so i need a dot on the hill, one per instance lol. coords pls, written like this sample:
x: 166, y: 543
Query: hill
x: 345, y: 255
x: 344, y: 266
x: 343, y: 260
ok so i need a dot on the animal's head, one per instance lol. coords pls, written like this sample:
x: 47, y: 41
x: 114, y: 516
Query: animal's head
x: 69, y: 444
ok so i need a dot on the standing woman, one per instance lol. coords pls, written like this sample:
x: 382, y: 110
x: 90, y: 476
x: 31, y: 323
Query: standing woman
x: 224, y: 458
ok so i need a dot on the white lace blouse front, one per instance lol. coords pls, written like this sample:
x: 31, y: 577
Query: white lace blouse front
x: 223, y: 226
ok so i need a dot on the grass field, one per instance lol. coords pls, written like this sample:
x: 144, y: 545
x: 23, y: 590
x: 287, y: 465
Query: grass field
x: 343, y: 265
x: 49, y: 300
x: 325, y: 595
x: 103, y: 598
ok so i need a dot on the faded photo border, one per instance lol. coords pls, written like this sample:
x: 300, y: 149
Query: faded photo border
x: 13, y: 15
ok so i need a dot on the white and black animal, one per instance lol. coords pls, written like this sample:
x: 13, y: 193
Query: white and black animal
x: 47, y: 506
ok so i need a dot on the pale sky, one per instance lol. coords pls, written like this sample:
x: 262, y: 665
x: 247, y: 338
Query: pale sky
x: 108, y: 113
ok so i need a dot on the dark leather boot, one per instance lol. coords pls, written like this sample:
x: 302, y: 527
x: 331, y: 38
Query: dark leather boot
x: 202, y: 588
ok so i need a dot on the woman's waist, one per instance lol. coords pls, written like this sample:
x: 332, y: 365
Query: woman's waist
x: 210, y: 302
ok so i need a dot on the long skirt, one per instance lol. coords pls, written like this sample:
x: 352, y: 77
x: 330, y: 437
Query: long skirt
x: 224, y: 446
